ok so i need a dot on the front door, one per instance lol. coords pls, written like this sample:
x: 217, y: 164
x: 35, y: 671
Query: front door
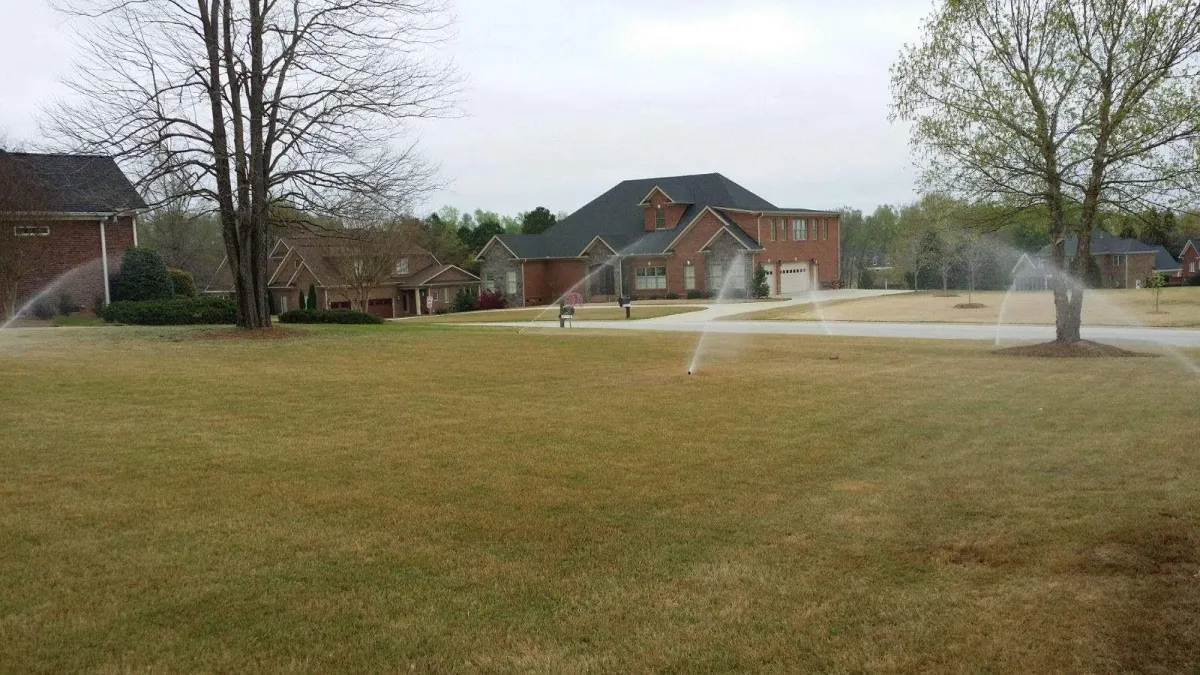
x: 602, y: 281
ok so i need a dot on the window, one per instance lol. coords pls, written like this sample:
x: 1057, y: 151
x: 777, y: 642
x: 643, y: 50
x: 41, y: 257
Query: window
x: 716, y: 276
x: 772, y: 229
x: 358, y: 268
x: 489, y: 282
x: 1192, y: 266
x: 737, y: 278
x: 650, y: 278
x: 1118, y: 260
x: 824, y: 230
x: 402, y: 268
x: 32, y: 230
x: 799, y: 230
x: 510, y: 282
x: 689, y: 277
x: 783, y: 229
x: 660, y: 219
x: 283, y: 304
x: 446, y: 294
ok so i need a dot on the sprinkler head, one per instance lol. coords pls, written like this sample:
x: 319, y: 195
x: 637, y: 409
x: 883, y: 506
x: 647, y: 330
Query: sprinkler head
x: 689, y: 371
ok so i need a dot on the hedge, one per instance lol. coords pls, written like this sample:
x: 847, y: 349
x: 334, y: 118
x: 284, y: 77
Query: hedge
x: 328, y: 316
x: 172, y: 312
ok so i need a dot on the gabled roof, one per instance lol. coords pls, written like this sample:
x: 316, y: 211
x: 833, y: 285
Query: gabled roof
x: 429, y: 274
x: 1104, y: 243
x: 79, y: 183
x: 618, y: 217
x: 1165, y: 262
x: 1192, y: 244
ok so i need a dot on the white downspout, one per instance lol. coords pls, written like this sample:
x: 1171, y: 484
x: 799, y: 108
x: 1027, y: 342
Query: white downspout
x: 134, y: 219
x: 104, y: 262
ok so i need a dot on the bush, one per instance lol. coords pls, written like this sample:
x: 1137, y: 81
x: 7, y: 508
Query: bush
x: 143, y: 276
x: 98, y: 305
x: 464, y: 300
x: 172, y: 312
x: 43, y: 310
x: 491, y: 300
x: 699, y: 295
x: 182, y: 283
x: 341, y: 316
x: 671, y: 296
x: 66, y: 305
x: 1193, y: 280
x: 759, y: 287
x: 312, y: 297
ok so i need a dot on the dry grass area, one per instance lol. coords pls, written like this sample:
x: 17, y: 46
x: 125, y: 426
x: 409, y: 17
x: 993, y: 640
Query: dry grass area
x: 593, y: 313
x: 433, y: 499
x: 1179, y: 307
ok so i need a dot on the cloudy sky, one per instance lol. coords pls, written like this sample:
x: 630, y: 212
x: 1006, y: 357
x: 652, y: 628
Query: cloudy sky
x: 565, y: 98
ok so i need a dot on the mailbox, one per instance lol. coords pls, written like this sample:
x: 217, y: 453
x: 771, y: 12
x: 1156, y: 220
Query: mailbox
x: 565, y: 313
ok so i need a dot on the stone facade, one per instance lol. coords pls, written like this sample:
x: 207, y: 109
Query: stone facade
x: 494, y: 266
x: 726, y: 252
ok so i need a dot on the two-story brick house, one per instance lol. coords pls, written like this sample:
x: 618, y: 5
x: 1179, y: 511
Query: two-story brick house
x: 671, y: 235
x: 76, y: 212
x: 1122, y: 262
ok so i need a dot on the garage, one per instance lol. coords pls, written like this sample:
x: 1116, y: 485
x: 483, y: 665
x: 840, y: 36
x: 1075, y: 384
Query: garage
x: 793, y: 278
x: 380, y: 307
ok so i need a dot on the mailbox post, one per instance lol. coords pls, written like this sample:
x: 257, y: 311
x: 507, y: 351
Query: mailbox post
x: 623, y: 301
x: 565, y: 313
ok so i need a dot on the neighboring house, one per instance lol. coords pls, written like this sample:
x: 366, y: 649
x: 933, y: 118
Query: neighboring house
x: 84, y: 218
x: 421, y: 284
x: 1032, y: 274
x: 657, y: 236
x: 1123, y: 263
x: 1189, y: 261
x: 876, y: 260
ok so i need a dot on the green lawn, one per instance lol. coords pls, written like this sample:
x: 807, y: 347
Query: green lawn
x: 551, y: 314
x: 426, y: 498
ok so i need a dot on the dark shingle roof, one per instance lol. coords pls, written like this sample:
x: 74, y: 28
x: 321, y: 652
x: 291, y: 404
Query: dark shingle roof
x: 80, y: 183
x: 1104, y: 243
x: 1165, y: 262
x: 617, y: 217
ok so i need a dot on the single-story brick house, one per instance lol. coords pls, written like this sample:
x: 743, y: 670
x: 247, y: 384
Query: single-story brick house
x: 657, y: 236
x: 421, y: 284
x: 79, y: 212
x: 1123, y: 263
x: 1189, y: 261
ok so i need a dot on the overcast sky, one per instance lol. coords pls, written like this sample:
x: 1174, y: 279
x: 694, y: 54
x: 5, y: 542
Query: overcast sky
x: 565, y: 98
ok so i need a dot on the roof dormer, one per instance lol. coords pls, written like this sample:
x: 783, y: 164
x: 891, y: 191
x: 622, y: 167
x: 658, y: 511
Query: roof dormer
x: 661, y: 211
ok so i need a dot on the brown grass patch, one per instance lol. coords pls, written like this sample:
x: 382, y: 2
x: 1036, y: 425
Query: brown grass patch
x: 273, y: 333
x: 970, y: 305
x: 1069, y: 350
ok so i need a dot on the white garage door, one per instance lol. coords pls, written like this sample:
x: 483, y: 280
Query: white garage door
x: 793, y: 278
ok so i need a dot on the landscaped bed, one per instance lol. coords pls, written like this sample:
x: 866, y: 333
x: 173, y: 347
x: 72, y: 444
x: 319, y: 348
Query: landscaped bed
x: 1180, y: 307
x: 409, y: 498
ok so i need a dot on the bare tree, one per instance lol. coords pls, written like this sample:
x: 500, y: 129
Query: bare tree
x: 974, y: 256
x: 366, y: 257
x: 249, y: 104
x: 950, y: 240
x: 24, y: 250
x: 910, y: 253
x: 1068, y: 105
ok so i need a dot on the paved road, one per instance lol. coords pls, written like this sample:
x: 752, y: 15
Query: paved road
x: 707, y: 321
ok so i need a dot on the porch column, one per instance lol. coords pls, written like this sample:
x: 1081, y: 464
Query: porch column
x: 417, y: 297
x: 104, y: 262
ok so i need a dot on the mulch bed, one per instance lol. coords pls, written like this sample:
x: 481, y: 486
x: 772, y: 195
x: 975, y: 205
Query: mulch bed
x: 275, y: 333
x: 1069, y: 350
x: 970, y: 305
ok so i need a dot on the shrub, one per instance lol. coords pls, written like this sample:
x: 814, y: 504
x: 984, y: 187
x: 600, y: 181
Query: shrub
x: 312, y: 297
x: 671, y: 296
x: 172, y: 312
x: 182, y: 283
x: 66, y: 305
x: 43, y: 310
x: 758, y: 284
x: 1193, y: 280
x: 699, y: 295
x: 464, y: 300
x: 341, y: 316
x: 143, y: 276
x: 491, y: 300
x: 98, y: 305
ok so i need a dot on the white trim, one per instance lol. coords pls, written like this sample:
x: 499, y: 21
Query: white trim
x: 279, y: 243
x: 670, y: 199
x: 279, y: 267
x: 447, y: 269
x: 495, y: 238
x: 104, y: 263
x: 589, y: 245
x: 208, y: 288
x: 725, y: 228
x: 687, y: 227
x: 783, y: 212
x: 134, y: 219
x: 1186, y: 247
x: 304, y: 264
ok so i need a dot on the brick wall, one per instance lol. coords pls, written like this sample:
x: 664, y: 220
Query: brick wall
x: 72, y: 251
x: 1190, y: 262
x: 823, y: 248
x: 672, y: 212
x: 1140, y: 267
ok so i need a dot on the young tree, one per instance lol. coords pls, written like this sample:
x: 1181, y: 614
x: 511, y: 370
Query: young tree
x: 974, y: 254
x: 948, y: 254
x: 1155, y: 283
x: 251, y: 104
x: 910, y: 252
x: 759, y: 288
x: 1069, y: 105
x: 366, y: 257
